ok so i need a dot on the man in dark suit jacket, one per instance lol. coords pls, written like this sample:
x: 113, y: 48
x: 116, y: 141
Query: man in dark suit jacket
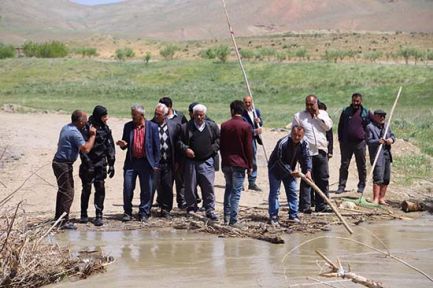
x: 179, y: 118
x: 140, y: 137
x: 168, y: 135
x: 254, y: 118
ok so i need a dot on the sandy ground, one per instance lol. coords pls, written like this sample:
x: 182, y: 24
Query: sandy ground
x: 28, y: 143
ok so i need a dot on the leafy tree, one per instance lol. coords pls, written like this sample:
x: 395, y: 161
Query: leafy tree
x: 332, y: 55
x: 373, y: 55
x: 147, y: 57
x: 405, y: 52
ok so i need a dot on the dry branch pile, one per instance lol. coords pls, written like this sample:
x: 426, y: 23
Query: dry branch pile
x: 28, y: 259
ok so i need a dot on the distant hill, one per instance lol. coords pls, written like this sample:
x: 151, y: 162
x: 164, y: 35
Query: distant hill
x: 204, y: 19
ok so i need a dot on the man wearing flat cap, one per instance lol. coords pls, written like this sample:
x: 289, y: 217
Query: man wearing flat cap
x: 382, y: 170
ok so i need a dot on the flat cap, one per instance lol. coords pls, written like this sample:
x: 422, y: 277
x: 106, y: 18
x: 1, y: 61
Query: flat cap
x: 380, y: 112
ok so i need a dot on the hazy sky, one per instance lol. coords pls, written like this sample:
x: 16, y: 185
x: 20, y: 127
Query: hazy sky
x: 95, y: 2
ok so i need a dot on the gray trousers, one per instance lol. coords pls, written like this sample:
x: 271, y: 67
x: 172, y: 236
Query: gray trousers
x: 201, y: 173
x: 347, y: 151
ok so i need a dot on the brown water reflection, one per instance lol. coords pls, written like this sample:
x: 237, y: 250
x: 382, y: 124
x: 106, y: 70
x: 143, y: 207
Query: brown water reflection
x: 182, y: 259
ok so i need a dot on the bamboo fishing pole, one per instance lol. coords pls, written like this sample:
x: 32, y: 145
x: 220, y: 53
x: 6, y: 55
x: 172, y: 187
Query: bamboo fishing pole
x: 232, y: 34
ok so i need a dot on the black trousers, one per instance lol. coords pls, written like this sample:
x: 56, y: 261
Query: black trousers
x: 347, y: 151
x: 164, y: 180
x: 180, y: 188
x: 320, y: 175
x: 95, y: 175
x: 65, y: 183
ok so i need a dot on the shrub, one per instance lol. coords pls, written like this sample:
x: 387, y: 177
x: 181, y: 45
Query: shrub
x: 209, y: 53
x: 301, y: 53
x: 53, y: 49
x: 123, y: 53
x: 168, y: 51
x: 222, y: 52
x: 6, y: 51
x: 246, y: 54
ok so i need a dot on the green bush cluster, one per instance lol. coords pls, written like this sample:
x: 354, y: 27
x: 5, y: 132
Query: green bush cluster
x: 6, y: 51
x: 123, y: 53
x: 221, y: 52
x: 168, y: 51
x: 53, y: 49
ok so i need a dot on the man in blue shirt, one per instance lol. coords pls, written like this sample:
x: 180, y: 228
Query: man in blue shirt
x: 71, y: 142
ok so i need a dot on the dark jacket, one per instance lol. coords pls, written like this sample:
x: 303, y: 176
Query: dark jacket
x: 186, y: 133
x: 151, y: 143
x: 103, y: 150
x: 173, y: 136
x: 179, y: 118
x: 285, y: 156
x: 374, y: 134
x: 346, y: 126
x: 235, y: 143
x: 253, y: 124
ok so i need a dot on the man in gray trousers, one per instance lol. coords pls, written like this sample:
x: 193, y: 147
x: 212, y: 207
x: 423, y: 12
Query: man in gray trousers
x: 199, y: 142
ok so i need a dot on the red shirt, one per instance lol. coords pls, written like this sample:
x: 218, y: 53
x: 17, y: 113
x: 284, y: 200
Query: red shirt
x: 138, y: 150
x: 236, y: 144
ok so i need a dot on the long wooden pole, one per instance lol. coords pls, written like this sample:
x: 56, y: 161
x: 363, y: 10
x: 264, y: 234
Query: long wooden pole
x: 370, y: 175
x: 247, y: 83
x: 326, y: 199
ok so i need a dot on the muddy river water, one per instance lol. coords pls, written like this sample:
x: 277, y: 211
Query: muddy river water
x: 183, y: 259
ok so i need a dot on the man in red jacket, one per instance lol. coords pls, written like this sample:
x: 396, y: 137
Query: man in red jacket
x: 237, y: 157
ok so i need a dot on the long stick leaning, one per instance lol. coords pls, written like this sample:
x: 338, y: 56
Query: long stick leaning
x: 326, y: 199
x: 370, y: 175
x: 232, y: 34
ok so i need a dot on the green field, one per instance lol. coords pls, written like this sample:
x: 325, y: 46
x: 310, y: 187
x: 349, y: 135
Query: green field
x: 279, y: 88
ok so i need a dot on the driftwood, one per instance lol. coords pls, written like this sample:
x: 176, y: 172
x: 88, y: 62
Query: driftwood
x: 244, y: 232
x: 412, y: 206
x: 338, y: 271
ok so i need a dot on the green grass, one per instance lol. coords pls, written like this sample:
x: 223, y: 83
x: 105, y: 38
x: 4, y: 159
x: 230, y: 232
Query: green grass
x: 279, y: 88
x: 411, y: 168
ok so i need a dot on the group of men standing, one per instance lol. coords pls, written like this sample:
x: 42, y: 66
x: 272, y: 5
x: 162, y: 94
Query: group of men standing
x: 170, y: 149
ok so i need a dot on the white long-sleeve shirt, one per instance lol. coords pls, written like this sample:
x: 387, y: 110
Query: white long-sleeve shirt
x: 315, y: 129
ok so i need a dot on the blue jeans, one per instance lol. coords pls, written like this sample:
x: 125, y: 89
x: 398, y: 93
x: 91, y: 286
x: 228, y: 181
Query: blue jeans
x: 142, y: 169
x: 274, y: 192
x: 234, y: 179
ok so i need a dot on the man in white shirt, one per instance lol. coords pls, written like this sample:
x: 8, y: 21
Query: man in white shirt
x: 315, y: 123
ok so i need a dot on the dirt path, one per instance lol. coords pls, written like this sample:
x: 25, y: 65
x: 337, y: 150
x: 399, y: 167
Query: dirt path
x: 28, y: 143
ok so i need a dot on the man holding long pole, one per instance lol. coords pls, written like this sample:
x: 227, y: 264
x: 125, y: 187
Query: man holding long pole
x: 382, y: 171
x: 253, y: 117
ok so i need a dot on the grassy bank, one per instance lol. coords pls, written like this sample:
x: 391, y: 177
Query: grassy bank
x: 279, y: 88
